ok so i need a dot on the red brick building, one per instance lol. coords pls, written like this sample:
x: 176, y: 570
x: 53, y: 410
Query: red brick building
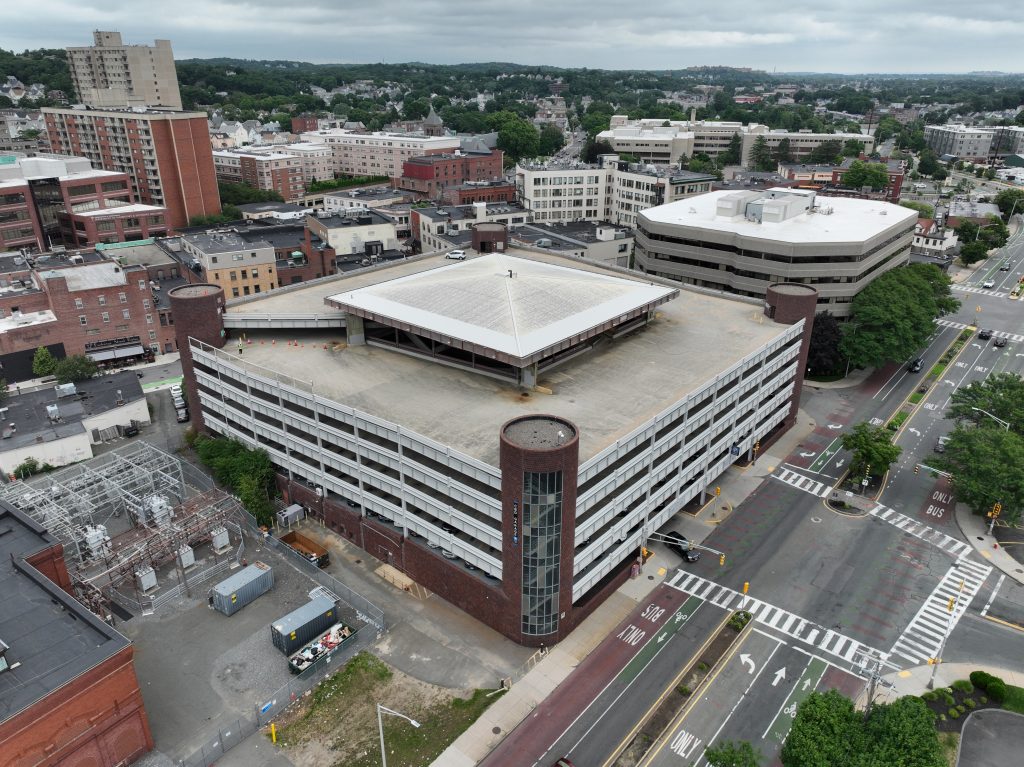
x: 19, y: 223
x: 274, y: 171
x: 67, y: 679
x: 479, y: 191
x: 305, y: 122
x: 166, y: 155
x: 430, y: 175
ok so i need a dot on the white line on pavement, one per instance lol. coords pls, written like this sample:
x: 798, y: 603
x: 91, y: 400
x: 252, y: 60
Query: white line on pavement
x: 992, y: 597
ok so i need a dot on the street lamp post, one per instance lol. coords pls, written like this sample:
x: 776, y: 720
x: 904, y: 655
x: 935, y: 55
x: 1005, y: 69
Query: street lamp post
x: 1005, y: 424
x: 380, y: 728
x: 852, y: 333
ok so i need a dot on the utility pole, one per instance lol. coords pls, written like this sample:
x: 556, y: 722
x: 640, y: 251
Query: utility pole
x: 871, y: 664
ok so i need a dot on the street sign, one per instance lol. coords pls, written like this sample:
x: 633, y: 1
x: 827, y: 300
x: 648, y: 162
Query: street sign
x: 864, y: 482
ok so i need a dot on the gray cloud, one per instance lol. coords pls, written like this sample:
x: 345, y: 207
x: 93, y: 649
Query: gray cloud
x: 832, y: 36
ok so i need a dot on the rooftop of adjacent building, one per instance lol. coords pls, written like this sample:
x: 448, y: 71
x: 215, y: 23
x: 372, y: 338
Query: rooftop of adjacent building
x: 404, y: 135
x: 271, y: 207
x: 434, y: 159
x: 353, y: 217
x: 370, y: 193
x: 127, y: 113
x: 138, y: 252
x: 34, y: 424
x: 830, y: 219
x: 570, y: 234
x: 469, y: 212
x: 36, y: 166
x: 226, y: 240
x: 607, y: 392
x: 138, y: 209
x: 269, y: 154
x: 52, y: 638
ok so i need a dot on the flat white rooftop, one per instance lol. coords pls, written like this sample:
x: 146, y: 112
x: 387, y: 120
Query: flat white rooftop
x: 850, y: 220
x: 516, y: 307
x: 107, y: 275
x: 120, y: 210
x: 15, y: 321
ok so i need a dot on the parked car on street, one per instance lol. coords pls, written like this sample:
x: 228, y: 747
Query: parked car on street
x: 680, y: 546
x: 182, y: 414
x: 984, y: 334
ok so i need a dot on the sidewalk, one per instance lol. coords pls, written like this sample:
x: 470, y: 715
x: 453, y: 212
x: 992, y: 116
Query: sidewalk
x: 975, y: 531
x: 914, y: 681
x: 560, y: 661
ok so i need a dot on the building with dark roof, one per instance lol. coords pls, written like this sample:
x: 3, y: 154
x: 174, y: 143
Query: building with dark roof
x: 68, y: 690
x: 431, y: 175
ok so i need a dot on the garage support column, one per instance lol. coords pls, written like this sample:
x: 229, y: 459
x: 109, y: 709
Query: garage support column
x: 355, y: 330
x: 528, y: 376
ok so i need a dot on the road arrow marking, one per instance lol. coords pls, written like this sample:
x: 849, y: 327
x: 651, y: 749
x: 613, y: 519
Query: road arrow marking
x: 807, y: 683
x: 661, y: 638
x: 811, y: 455
x: 914, y: 431
x: 835, y: 426
x: 779, y: 676
x: 840, y: 463
x: 744, y: 659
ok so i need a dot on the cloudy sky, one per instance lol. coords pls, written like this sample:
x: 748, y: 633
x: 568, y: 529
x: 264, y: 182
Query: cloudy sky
x: 799, y: 35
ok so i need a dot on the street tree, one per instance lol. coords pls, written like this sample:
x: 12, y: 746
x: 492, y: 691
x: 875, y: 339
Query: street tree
x: 733, y: 155
x: 517, y: 138
x: 894, y: 316
x: 825, y: 732
x: 551, y: 140
x: 824, y: 356
x: 928, y: 163
x: 973, y: 252
x: 43, y: 363
x: 984, y: 462
x: 1006, y: 200
x: 924, y: 210
x: 783, y: 152
x: 75, y: 368
x: 1001, y: 394
x: 853, y: 148
x: 826, y: 152
x: 861, y: 174
x: 872, y: 448
x: 761, y: 158
x: 730, y: 754
x: 901, y: 733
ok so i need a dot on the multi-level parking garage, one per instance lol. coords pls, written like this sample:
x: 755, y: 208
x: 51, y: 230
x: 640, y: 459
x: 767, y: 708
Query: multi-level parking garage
x: 506, y: 430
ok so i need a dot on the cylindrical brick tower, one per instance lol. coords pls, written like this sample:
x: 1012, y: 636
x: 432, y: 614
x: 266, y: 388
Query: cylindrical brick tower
x: 787, y: 303
x: 198, y: 312
x: 539, y: 465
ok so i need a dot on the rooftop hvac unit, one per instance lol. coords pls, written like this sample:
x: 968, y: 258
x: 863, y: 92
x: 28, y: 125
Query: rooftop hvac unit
x: 145, y: 579
x: 53, y: 413
x: 65, y: 390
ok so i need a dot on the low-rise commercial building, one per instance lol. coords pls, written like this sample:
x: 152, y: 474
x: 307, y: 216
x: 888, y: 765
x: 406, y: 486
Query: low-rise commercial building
x: 602, y: 242
x: 272, y: 171
x: 358, y: 153
x: 67, y: 679
x: 960, y: 141
x: 432, y: 175
x: 745, y: 242
x: 241, y: 262
x: 444, y: 227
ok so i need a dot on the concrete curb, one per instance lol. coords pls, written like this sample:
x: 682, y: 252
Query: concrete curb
x: 973, y: 528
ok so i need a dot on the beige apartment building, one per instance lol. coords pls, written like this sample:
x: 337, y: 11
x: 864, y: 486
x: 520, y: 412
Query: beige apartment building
x: 112, y: 75
x: 377, y: 154
x: 242, y: 264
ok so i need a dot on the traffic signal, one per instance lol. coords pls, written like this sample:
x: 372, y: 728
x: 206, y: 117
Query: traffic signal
x: 757, y: 446
x: 721, y: 560
x: 718, y: 491
x: 917, y: 469
x: 645, y: 553
x: 949, y: 607
x: 996, y: 509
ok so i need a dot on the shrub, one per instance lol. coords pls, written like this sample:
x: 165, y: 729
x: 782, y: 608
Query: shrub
x: 961, y: 708
x: 963, y: 685
x: 997, y: 690
x: 942, y: 717
x: 980, y: 679
x: 954, y: 714
x: 969, y: 702
x: 930, y: 695
x: 983, y: 699
x: 949, y: 699
x: 702, y: 666
x: 684, y: 690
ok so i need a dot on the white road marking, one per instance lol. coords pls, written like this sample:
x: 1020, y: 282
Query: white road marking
x: 831, y: 642
x: 921, y: 638
x: 988, y: 604
x: 947, y: 543
x: 801, y: 482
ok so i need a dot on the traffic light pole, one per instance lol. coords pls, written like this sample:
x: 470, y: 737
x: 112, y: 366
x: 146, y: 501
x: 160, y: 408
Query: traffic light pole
x: 954, y: 602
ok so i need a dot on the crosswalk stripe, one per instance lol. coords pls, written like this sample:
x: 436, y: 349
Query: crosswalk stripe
x: 927, y: 534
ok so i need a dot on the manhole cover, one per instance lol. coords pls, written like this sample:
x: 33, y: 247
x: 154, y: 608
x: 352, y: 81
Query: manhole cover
x: 650, y: 577
x: 496, y: 730
x: 359, y: 561
x: 980, y: 538
x: 725, y: 508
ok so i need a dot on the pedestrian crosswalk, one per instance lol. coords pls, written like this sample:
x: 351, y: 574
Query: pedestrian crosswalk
x: 1015, y: 337
x: 984, y: 291
x: 921, y: 639
x: 801, y: 482
x: 783, y: 621
x: 947, y: 543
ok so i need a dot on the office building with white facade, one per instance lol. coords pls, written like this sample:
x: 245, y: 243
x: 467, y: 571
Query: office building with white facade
x: 745, y: 242
x: 497, y: 429
x: 960, y: 141
x: 358, y: 153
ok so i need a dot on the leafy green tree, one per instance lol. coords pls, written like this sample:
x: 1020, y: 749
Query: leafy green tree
x: 242, y: 194
x: 254, y: 498
x: 826, y: 153
x: 551, y: 140
x: 1008, y: 197
x: 1001, y: 394
x: 894, y: 315
x: 924, y: 210
x: 825, y: 732
x: 593, y: 149
x: 901, y: 733
x: 75, y: 368
x: 928, y: 163
x: 733, y: 155
x: 872, y: 448
x: 853, y: 148
x: 761, y: 158
x: 861, y: 174
x: 783, y: 152
x: 415, y: 109
x: 824, y: 356
x: 43, y: 363
x: 517, y: 138
x: 729, y: 754
x: 980, y: 460
x: 227, y: 214
x: 973, y: 252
